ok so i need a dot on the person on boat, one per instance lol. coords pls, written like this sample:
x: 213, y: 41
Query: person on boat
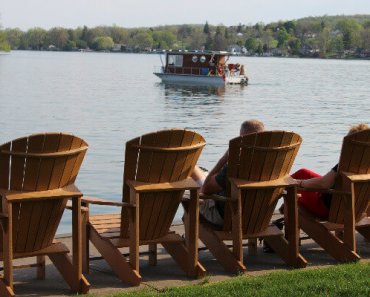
x: 214, y: 181
x: 318, y: 203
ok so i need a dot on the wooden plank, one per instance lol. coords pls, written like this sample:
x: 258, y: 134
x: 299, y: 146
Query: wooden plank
x: 34, y: 225
x: 169, y: 173
x: 77, y: 143
x: 362, y: 198
x: 168, y: 213
x: 4, y: 167
x: 148, y: 219
x: 255, y: 212
x: 17, y: 164
x: 184, y: 139
x: 31, y: 175
x: 360, y: 152
x: 246, y: 156
x: 24, y: 225
x: 131, y: 155
x: 144, y: 164
x: 72, y: 163
x: 51, y: 144
x: 45, y: 217
x: 196, y: 140
x: 58, y: 209
x: 269, y: 167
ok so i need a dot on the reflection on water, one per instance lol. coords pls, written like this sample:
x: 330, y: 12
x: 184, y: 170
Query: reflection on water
x: 108, y: 99
x: 181, y: 91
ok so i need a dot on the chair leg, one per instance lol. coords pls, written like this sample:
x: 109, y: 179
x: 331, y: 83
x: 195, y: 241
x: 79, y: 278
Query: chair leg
x: 281, y: 247
x: 85, y: 242
x: 115, y: 259
x: 219, y: 250
x: 152, y: 254
x: 323, y: 237
x: 40, y: 267
x: 6, y: 282
x: 252, y: 246
x: 64, y: 265
x: 180, y: 254
x: 5, y: 290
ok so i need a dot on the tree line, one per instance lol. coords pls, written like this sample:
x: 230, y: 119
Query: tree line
x: 327, y: 36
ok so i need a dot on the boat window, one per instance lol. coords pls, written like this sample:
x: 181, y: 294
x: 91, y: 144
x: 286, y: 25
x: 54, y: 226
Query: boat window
x: 175, y: 60
x: 194, y: 59
x: 202, y: 59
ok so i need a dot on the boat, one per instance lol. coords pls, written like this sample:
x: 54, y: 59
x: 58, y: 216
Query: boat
x: 201, y: 67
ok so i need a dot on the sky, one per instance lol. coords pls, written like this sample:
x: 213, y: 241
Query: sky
x: 25, y: 14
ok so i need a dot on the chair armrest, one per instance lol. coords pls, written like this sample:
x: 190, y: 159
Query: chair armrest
x: 100, y: 201
x: 281, y: 182
x: 69, y: 207
x: 324, y: 191
x: 65, y: 192
x: 187, y: 184
x: 356, y: 177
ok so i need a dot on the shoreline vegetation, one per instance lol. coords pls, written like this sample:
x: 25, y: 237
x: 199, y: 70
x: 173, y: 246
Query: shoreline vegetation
x: 340, y: 37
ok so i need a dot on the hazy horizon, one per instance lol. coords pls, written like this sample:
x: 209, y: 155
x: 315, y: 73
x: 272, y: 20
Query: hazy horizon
x: 72, y: 14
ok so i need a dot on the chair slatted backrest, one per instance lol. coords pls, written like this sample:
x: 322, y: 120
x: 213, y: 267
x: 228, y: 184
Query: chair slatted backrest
x: 354, y: 158
x: 37, y: 163
x: 263, y: 156
x: 163, y: 156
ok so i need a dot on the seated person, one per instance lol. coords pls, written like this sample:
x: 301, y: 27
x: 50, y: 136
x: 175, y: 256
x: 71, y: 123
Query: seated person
x: 319, y: 203
x: 214, y: 182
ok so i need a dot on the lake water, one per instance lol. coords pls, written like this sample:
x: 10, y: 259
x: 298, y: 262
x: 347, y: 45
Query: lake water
x: 107, y: 99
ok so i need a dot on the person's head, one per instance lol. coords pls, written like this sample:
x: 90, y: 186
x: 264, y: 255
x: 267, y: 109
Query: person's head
x: 358, y: 128
x: 251, y: 126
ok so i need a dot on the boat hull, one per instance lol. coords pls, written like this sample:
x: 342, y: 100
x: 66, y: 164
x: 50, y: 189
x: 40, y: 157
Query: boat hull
x: 202, y: 79
x: 193, y: 79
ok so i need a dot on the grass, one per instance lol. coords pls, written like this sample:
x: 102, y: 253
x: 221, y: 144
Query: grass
x: 340, y: 280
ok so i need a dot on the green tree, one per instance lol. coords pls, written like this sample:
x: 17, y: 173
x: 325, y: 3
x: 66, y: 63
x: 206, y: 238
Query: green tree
x: 268, y: 40
x: 143, y: 40
x: 337, y: 45
x: 103, y: 43
x: 206, y: 29
x: 209, y: 42
x: 14, y: 37
x: 219, y: 42
x: 58, y: 37
x: 251, y: 44
x: 290, y: 26
x: 365, y: 37
x: 323, y: 41
x: 35, y: 38
x: 294, y: 44
x: 283, y: 37
x: 70, y: 45
x: 4, y: 44
x: 197, y: 41
x: 351, y: 33
x: 119, y: 35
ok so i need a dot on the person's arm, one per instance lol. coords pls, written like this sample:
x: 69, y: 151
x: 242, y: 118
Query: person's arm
x: 210, y: 185
x: 322, y: 182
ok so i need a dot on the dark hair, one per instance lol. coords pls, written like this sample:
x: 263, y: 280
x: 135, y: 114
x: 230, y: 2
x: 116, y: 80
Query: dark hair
x: 251, y: 126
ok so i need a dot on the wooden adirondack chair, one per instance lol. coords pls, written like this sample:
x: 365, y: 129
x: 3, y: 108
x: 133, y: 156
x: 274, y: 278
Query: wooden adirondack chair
x: 258, y: 173
x: 37, y: 175
x: 350, y: 199
x: 157, y: 171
